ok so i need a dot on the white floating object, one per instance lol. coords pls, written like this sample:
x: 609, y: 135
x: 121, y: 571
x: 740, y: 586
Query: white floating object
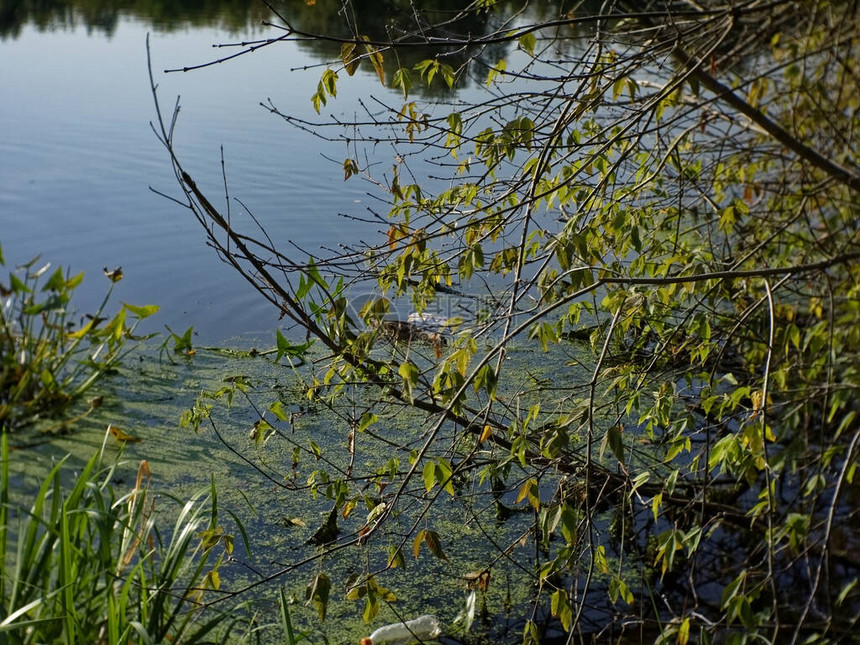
x: 423, y: 628
x: 427, y: 321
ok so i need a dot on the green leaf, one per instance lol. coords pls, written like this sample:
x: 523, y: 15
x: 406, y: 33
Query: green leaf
x: 561, y: 608
x: 285, y: 347
x: 141, y: 312
x: 56, y: 282
x: 371, y: 608
x: 843, y: 594
x: 48, y: 380
x: 486, y: 379
x: 409, y: 373
x: 569, y: 524
x: 367, y: 419
x: 395, y: 558
x: 277, y: 408
x: 616, y: 444
x: 317, y: 592
x: 618, y: 589
x: 732, y: 589
x: 443, y: 472
x: 498, y: 68
x: 403, y: 80
x: 600, y: 559
x: 36, y: 308
x: 429, y: 475
x: 181, y: 343
x: 527, y: 43
x: 17, y: 285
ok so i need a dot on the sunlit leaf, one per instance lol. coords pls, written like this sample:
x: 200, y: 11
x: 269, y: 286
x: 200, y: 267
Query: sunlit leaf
x: 56, y: 282
x: 416, y: 543
x: 486, y: 433
x: 121, y: 435
x: 561, y: 608
x: 429, y: 475
x: 277, y: 408
x: 527, y: 43
x: 350, y: 58
x: 142, y: 312
x: 367, y: 420
x: 403, y: 80
x: 375, y: 57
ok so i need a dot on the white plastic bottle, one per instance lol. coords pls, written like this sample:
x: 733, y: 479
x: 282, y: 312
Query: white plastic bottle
x: 423, y: 628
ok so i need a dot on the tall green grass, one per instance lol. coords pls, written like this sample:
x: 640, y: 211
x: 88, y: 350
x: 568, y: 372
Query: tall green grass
x: 86, y: 565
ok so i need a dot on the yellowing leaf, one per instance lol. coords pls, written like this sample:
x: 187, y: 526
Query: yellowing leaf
x: 121, y: 435
x: 530, y: 490
x: 684, y: 632
x: 348, y: 508
x: 431, y: 539
x: 82, y: 331
x: 376, y: 58
x: 349, y: 57
x: 486, y: 434
x: 350, y: 168
x: 416, y: 543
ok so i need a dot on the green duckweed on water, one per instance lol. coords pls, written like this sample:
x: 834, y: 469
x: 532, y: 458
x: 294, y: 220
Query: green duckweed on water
x: 261, y: 473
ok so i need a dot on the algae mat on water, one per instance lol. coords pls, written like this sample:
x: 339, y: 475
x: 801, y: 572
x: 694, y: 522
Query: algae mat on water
x: 262, y: 451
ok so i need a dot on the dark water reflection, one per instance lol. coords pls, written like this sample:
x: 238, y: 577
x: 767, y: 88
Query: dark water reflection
x: 247, y: 19
x: 104, y: 16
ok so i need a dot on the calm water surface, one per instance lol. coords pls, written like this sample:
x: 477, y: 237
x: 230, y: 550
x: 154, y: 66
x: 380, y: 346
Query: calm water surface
x: 78, y: 158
